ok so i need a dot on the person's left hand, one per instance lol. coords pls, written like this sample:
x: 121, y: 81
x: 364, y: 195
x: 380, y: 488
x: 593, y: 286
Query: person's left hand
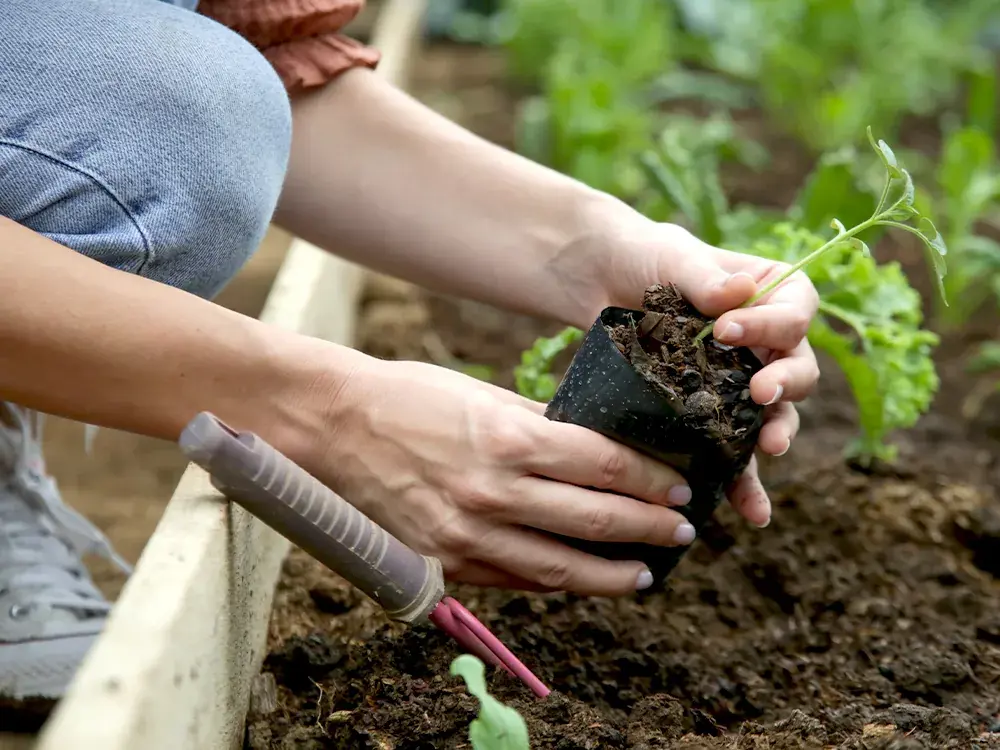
x: 614, y: 268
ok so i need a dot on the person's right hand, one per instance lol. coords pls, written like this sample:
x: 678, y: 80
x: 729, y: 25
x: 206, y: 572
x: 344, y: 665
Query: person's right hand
x: 469, y: 473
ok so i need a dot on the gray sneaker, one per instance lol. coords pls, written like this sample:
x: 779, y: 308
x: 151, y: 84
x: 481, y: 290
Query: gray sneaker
x: 50, y: 610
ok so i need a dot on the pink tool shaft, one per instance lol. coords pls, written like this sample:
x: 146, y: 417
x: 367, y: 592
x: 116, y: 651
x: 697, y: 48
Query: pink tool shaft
x: 464, y: 627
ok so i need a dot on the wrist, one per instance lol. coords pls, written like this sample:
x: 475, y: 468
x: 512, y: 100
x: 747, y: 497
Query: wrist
x: 591, y: 268
x: 288, y: 390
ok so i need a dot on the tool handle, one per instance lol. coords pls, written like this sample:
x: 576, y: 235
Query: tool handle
x: 280, y: 493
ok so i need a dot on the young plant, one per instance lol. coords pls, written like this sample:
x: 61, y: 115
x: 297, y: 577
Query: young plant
x: 498, y: 727
x: 893, y: 210
x: 881, y: 348
x: 533, y: 378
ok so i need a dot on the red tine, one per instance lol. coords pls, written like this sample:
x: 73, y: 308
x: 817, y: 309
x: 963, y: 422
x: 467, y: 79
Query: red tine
x: 444, y: 618
x: 471, y: 631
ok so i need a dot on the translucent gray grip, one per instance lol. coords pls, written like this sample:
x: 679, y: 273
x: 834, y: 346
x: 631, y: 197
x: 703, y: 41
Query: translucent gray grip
x: 309, y: 514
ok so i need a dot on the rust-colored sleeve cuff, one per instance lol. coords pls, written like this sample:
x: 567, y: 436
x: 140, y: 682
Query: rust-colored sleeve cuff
x: 315, y: 61
x: 300, y: 38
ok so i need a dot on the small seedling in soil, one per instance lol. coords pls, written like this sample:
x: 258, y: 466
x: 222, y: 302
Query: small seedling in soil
x: 498, y: 727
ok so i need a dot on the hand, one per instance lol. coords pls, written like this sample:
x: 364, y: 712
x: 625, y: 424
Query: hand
x: 614, y: 267
x: 471, y: 473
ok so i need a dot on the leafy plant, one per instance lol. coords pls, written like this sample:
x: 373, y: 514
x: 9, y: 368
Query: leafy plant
x: 869, y: 323
x: 891, y: 211
x: 824, y: 68
x: 968, y: 191
x: 881, y: 348
x: 683, y: 172
x: 498, y: 727
x: 533, y: 378
x: 594, y: 62
x: 870, y: 317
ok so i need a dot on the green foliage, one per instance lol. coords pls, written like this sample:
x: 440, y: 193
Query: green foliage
x: 683, y: 172
x: 870, y: 317
x: 825, y: 68
x: 498, y: 727
x: 533, y: 378
x: 594, y: 62
x: 870, y: 324
x: 968, y: 191
x: 821, y: 69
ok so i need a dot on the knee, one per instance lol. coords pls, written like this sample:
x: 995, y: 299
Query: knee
x: 173, y: 160
x: 225, y: 161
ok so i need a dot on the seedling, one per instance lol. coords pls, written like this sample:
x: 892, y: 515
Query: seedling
x: 895, y: 210
x: 498, y: 727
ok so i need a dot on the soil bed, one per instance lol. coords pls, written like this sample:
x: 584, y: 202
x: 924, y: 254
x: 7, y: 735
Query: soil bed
x: 867, y: 615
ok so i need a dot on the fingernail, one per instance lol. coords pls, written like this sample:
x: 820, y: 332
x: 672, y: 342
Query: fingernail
x: 778, y: 393
x: 783, y: 451
x: 684, y: 534
x: 679, y: 495
x: 730, y: 333
x: 766, y: 502
x: 644, y: 580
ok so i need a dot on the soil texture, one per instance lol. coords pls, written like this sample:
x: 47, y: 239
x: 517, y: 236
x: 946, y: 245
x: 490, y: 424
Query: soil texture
x: 708, y: 383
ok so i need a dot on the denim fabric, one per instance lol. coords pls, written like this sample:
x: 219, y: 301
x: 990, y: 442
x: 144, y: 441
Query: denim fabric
x: 140, y: 134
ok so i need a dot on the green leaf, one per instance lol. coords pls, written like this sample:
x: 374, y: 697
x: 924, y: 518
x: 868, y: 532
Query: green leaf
x: 936, y: 251
x: 906, y: 199
x: 498, y: 727
x: 532, y: 377
x: 860, y: 245
x: 870, y: 324
x: 885, y: 154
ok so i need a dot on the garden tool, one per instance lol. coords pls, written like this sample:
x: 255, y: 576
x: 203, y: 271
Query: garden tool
x: 407, y: 585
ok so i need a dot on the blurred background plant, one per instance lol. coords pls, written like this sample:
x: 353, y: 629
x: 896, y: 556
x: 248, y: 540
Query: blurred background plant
x: 670, y: 104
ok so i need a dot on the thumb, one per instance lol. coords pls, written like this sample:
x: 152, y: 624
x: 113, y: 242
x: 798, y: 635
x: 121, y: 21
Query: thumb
x: 703, y: 283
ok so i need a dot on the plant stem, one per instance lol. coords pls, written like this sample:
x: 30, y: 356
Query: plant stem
x: 841, y: 237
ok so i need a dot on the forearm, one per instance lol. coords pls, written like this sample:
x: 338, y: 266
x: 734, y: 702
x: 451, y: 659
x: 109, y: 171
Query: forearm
x: 379, y: 178
x: 84, y: 341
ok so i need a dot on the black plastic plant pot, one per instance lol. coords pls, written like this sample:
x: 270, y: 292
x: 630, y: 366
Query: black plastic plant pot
x: 603, y: 392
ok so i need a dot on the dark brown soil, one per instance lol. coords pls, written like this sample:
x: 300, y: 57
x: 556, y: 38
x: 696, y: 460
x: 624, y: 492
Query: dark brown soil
x: 866, y: 616
x: 709, y: 383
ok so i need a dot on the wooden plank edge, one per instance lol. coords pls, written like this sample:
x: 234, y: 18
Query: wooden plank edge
x: 173, y: 667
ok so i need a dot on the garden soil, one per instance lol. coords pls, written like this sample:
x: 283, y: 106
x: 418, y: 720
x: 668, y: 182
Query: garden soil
x: 865, y: 616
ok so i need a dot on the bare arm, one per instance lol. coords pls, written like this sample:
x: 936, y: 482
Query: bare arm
x: 413, y: 446
x: 379, y: 178
x: 88, y: 342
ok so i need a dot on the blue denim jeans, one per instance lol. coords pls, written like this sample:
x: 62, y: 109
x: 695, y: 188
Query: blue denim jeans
x: 141, y: 134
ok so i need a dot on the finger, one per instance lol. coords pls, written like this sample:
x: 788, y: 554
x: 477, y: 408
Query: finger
x: 700, y: 279
x: 581, y: 513
x: 489, y: 576
x: 791, y: 377
x: 553, y: 565
x: 780, y: 326
x: 780, y: 428
x: 749, y: 498
x: 569, y: 453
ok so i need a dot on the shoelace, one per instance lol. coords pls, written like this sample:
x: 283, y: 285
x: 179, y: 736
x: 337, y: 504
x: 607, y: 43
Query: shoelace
x: 45, y: 538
